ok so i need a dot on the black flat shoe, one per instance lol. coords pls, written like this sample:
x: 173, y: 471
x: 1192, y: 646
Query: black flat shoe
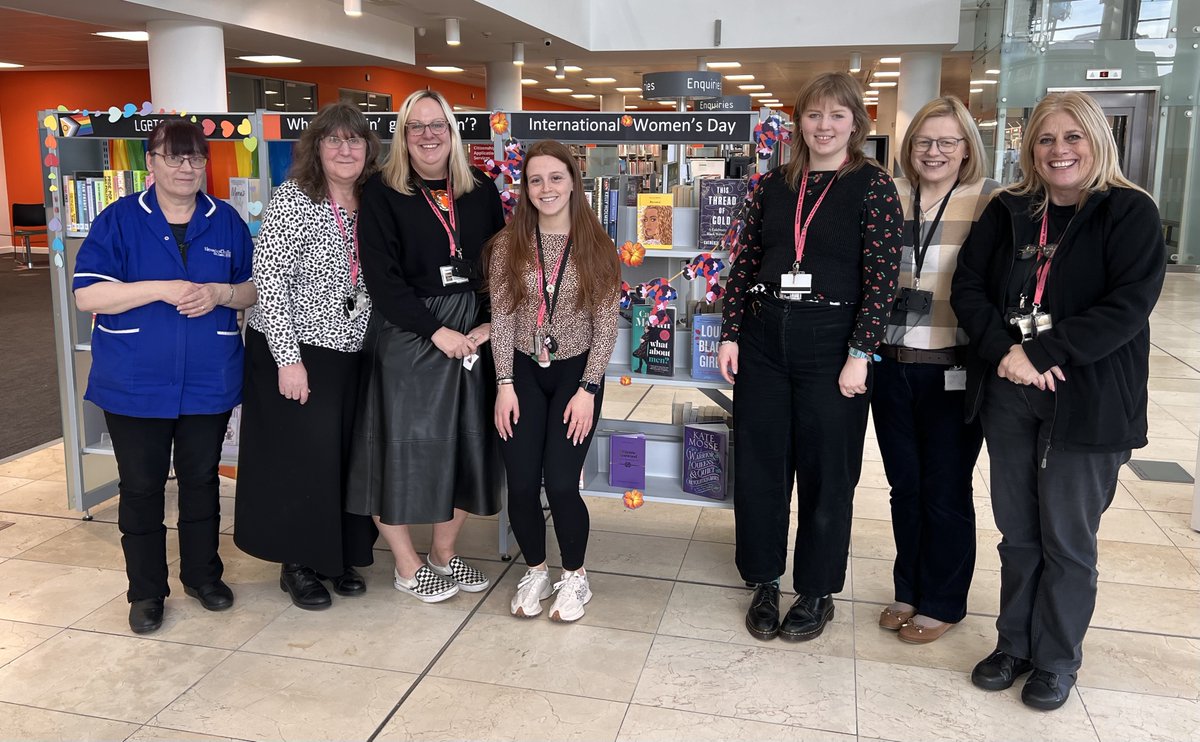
x: 762, y: 620
x: 806, y: 619
x: 1047, y: 690
x: 145, y: 615
x: 349, y: 582
x: 305, y: 589
x: 215, y: 596
x: 999, y: 670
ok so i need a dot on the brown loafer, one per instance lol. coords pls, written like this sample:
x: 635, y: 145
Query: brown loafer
x: 914, y: 633
x: 893, y: 620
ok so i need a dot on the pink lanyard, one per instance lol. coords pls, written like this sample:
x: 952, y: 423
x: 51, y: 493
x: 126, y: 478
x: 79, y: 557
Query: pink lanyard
x: 801, y: 233
x: 544, y: 289
x: 346, y: 238
x: 451, y: 227
x: 1044, y: 269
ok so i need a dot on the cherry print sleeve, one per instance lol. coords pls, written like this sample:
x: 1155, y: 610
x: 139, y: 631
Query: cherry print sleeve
x: 882, y: 243
x: 744, y: 272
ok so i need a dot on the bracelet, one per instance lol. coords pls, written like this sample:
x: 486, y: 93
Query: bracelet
x: 727, y: 342
x: 856, y: 353
x: 230, y: 299
x: 504, y: 381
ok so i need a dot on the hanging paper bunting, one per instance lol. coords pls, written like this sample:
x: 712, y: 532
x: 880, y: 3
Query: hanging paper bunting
x: 511, y: 165
x: 508, y: 200
x: 767, y: 134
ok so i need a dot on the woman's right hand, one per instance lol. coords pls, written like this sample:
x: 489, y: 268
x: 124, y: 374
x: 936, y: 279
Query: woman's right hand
x: 727, y: 360
x: 508, y: 411
x: 175, y: 291
x: 293, y: 382
x: 453, y: 343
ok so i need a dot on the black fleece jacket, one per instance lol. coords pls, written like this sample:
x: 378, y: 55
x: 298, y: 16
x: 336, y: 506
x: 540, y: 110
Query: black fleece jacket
x: 1103, y: 282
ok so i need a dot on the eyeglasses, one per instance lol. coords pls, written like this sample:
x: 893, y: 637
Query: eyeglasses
x: 336, y: 142
x: 1025, y: 252
x: 945, y: 145
x: 416, y: 128
x: 196, y: 161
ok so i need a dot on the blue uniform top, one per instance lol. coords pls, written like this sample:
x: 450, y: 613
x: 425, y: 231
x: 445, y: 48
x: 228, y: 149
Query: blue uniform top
x: 152, y: 361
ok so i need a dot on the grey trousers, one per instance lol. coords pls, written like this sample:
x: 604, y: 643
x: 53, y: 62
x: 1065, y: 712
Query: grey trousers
x: 1049, y: 519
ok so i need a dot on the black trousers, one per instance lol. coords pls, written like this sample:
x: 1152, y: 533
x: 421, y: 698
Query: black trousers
x: 143, y: 449
x: 1049, y: 518
x: 929, y: 455
x: 540, y: 452
x: 792, y: 424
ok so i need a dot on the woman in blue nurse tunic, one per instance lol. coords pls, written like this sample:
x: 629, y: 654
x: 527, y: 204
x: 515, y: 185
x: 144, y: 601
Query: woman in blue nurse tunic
x: 165, y: 272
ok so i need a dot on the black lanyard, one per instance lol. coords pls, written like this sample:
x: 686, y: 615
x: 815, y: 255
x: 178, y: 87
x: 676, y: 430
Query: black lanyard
x: 920, y: 249
x: 549, y: 291
x: 451, y: 227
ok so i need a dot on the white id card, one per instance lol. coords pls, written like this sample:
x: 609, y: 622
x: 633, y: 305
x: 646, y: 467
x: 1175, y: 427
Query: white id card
x: 795, y: 284
x: 448, y: 277
x: 956, y: 379
x: 469, y: 361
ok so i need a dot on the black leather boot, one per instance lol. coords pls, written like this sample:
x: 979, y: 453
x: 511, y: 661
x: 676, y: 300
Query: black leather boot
x: 999, y: 670
x: 762, y: 620
x: 349, y: 582
x: 806, y: 618
x: 302, y: 585
x: 145, y: 615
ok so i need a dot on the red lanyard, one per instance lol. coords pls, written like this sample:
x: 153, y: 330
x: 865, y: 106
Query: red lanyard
x: 548, y: 303
x: 1044, y: 269
x: 801, y: 233
x: 451, y: 227
x: 346, y: 238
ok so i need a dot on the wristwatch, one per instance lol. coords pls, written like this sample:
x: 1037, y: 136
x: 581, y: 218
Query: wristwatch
x: 589, y: 387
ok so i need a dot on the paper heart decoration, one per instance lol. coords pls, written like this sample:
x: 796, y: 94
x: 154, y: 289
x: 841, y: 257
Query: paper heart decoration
x: 227, y: 129
x: 51, y: 142
x: 129, y: 110
x: 255, y: 207
x: 255, y: 227
x: 61, y: 107
x: 193, y: 119
x: 49, y: 122
x: 52, y: 176
x: 55, y: 224
x: 53, y: 188
x: 114, y: 114
x: 51, y: 160
x: 208, y: 127
x: 250, y: 143
x: 244, y: 128
x: 57, y: 246
x: 58, y: 260
x: 147, y: 107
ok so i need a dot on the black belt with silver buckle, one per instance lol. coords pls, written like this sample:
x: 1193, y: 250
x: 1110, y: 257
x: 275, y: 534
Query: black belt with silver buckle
x: 900, y: 354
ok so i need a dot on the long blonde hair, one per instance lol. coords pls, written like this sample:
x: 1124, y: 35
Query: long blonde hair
x: 949, y: 106
x: 1106, y: 162
x: 836, y: 87
x: 398, y: 172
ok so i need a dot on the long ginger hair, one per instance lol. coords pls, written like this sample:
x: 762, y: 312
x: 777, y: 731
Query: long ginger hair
x: 592, y: 250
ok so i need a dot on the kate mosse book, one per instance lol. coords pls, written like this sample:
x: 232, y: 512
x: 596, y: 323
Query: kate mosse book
x: 627, y: 460
x: 652, y: 347
x: 706, y: 336
x: 705, y: 457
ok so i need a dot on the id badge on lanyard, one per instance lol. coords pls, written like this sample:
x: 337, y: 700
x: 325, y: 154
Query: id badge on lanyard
x: 797, y: 284
x: 355, y: 301
x: 457, y: 270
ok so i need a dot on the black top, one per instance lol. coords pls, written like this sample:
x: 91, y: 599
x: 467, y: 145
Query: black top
x: 852, y: 248
x: 403, y: 246
x: 1024, y: 278
x: 180, y: 232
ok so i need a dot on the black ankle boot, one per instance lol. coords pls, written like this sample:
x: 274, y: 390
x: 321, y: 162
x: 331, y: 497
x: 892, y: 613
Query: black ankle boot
x: 806, y: 618
x: 762, y: 620
x: 302, y: 585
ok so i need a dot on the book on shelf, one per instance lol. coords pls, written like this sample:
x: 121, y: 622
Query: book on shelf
x: 88, y: 192
x: 654, y: 214
x: 705, y: 460
x: 706, y: 337
x: 652, y: 347
x: 607, y: 194
x: 627, y: 460
x: 720, y: 199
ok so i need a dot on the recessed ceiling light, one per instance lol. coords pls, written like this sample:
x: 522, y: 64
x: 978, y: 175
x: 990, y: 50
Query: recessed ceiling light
x: 739, y: 78
x: 762, y: 95
x: 600, y: 80
x: 558, y: 90
x: 755, y: 86
x: 583, y: 96
x: 887, y: 74
x: 269, y: 59
x: 986, y: 124
x: 629, y: 90
x: 630, y: 108
x: 666, y: 103
x: 976, y: 90
x: 984, y: 82
x: 125, y: 35
x: 723, y: 65
x: 991, y: 72
x: 889, y: 60
x: 568, y: 68
x: 528, y: 81
x: 271, y: 92
x: 10, y: 65
x: 883, y: 84
x: 443, y: 68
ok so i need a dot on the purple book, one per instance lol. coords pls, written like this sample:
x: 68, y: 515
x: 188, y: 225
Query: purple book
x: 705, y: 453
x: 627, y: 460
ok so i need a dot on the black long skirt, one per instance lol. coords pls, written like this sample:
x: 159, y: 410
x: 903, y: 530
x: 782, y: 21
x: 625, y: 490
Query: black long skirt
x: 293, y: 460
x: 424, y: 442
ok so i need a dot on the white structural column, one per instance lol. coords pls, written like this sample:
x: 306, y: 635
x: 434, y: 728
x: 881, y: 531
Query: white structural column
x: 187, y: 66
x: 504, y: 86
x: 612, y: 102
x: 920, y: 82
x: 885, y: 121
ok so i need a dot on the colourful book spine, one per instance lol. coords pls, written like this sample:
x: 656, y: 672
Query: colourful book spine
x: 706, y: 337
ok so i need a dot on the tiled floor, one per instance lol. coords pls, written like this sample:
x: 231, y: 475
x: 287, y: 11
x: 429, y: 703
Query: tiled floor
x: 661, y: 653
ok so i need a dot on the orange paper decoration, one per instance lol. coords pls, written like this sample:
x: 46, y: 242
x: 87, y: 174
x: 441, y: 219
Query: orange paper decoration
x: 634, y: 499
x: 632, y: 253
x: 499, y: 123
x: 626, y: 381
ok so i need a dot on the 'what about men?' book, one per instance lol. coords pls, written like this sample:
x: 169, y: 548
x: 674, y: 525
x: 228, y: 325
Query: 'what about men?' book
x: 652, y: 347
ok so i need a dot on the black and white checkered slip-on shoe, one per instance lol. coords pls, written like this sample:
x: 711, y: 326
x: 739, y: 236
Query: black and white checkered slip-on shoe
x: 467, y: 578
x: 426, y: 586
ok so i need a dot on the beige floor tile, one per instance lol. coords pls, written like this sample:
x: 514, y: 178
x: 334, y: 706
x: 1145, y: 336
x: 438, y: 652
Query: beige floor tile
x: 1166, y: 426
x: 28, y: 723
x: 652, y: 519
x: 1154, y: 609
x: 436, y: 711
x: 872, y: 504
x: 1141, y: 663
x: 1168, y: 367
x: 41, y: 497
x: 543, y: 655
x: 27, y: 531
x: 712, y: 563
x: 758, y: 683
x: 872, y: 539
x: 259, y: 697
x: 92, y: 544
x: 1166, y: 497
x: 650, y: 724
x: 243, y: 569
x: 115, y: 677
x: 902, y: 702
x: 616, y: 409
x: 717, y: 614
x: 1193, y: 556
x: 651, y: 413
x: 7, y: 484
x: 1170, y: 449
x: 1131, y: 525
x: 1178, y: 527
x: 958, y: 650
x: 1122, y: 500
x: 159, y: 734
x: 17, y: 638
x: 627, y: 554
x: 1131, y: 716
x: 1146, y: 564
x: 618, y: 601
x: 873, y: 581
x: 1183, y: 413
x: 479, y: 539
x: 715, y: 524
x: 987, y: 556
x: 41, y: 463
x: 55, y: 594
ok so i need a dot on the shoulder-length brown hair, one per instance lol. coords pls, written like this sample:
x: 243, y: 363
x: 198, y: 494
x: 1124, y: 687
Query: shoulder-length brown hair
x: 592, y: 249
x: 335, y: 119
x: 398, y: 170
x: 971, y: 170
x: 834, y: 87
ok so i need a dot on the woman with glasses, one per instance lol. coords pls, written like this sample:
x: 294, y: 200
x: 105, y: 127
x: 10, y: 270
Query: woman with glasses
x: 424, y: 448
x: 1054, y: 287
x: 928, y: 451
x: 302, y: 367
x: 165, y: 272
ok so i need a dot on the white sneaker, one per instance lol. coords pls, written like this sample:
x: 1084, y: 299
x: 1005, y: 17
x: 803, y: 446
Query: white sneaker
x: 533, y: 588
x: 426, y: 585
x: 462, y: 574
x: 571, y: 594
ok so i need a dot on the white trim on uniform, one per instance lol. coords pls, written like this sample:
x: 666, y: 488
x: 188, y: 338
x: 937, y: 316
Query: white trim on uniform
x: 130, y: 331
x: 212, y: 205
x: 230, y: 333
x: 101, y: 276
x: 142, y: 201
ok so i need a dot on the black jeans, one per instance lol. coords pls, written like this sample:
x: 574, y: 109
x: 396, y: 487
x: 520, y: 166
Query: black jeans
x: 540, y: 452
x: 792, y: 424
x: 1049, y: 518
x: 143, y: 449
x: 929, y: 454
